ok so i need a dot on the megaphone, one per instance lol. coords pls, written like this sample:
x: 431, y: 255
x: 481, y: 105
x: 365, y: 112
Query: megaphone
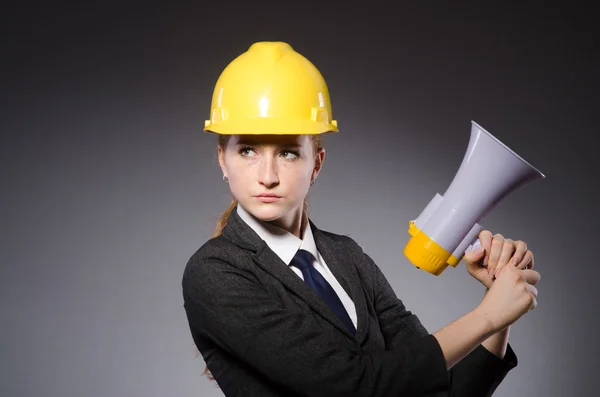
x: 448, y: 226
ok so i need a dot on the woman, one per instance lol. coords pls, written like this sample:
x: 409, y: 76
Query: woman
x: 279, y: 307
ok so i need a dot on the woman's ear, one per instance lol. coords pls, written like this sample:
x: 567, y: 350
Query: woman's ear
x: 221, y: 158
x: 319, y: 159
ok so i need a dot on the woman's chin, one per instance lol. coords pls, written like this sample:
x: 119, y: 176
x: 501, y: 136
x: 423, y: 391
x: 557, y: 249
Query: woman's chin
x: 266, y: 212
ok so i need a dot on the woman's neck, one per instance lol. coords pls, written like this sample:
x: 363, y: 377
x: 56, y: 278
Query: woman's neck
x: 294, y: 222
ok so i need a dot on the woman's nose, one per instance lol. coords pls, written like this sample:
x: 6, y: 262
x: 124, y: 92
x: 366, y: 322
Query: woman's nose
x: 268, y: 172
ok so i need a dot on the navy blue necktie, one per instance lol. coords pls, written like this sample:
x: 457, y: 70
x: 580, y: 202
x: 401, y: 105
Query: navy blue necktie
x: 303, y: 261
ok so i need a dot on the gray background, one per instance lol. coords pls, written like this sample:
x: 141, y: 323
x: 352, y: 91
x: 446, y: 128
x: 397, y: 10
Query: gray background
x: 108, y: 185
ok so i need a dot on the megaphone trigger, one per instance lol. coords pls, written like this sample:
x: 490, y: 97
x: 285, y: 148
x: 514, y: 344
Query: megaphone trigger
x: 474, y: 247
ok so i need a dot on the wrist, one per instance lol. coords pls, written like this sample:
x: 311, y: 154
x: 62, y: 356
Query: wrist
x: 488, y: 326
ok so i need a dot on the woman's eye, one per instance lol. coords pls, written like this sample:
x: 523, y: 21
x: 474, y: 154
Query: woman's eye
x: 250, y: 152
x: 290, y: 155
x: 246, y: 151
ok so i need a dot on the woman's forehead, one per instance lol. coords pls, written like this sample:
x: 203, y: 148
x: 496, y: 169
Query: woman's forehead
x: 269, y: 139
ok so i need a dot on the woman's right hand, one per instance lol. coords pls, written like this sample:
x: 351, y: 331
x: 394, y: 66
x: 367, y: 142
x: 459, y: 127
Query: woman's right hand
x: 511, y: 295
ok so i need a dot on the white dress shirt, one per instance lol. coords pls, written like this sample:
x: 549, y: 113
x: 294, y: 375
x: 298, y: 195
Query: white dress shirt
x: 285, y: 245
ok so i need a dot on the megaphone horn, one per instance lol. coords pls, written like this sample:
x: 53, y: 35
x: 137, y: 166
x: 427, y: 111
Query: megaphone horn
x: 448, y: 226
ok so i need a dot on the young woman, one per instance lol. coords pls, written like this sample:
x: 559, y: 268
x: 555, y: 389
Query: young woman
x: 279, y: 307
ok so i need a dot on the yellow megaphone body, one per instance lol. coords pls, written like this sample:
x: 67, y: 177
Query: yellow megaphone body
x: 448, y: 226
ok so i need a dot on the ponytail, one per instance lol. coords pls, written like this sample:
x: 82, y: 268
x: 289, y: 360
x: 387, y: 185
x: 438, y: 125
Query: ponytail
x: 223, y: 219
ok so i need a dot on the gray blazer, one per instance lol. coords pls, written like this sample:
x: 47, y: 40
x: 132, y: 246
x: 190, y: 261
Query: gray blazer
x: 263, y: 332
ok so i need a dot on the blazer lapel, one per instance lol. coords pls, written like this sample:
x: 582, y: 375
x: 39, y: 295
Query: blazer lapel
x: 271, y: 263
x: 342, y: 265
x: 337, y: 260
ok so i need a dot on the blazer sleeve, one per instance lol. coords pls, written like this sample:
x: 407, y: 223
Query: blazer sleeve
x: 478, y: 374
x: 228, y: 305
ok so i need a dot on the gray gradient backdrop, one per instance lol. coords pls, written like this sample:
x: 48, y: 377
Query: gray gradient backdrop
x: 108, y: 185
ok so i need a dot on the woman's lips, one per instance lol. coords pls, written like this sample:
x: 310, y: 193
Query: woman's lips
x: 268, y: 198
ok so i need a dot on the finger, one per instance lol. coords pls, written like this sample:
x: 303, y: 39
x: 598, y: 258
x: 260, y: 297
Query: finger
x: 508, y: 248
x: 532, y: 290
x: 527, y: 261
x: 520, y: 250
x: 474, y: 255
x: 496, y: 250
x: 485, y: 239
x: 531, y: 276
x: 533, y: 304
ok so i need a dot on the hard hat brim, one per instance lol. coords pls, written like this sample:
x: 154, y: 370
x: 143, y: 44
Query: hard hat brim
x: 270, y: 126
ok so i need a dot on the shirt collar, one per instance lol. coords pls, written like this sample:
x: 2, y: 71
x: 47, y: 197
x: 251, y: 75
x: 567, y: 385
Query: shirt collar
x: 280, y: 241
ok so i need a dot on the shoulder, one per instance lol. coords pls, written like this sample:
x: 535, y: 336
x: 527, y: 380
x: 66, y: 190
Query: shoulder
x: 216, y: 249
x: 217, y: 255
x: 331, y: 236
x: 350, y: 247
x: 350, y: 250
x: 342, y: 241
x: 365, y: 264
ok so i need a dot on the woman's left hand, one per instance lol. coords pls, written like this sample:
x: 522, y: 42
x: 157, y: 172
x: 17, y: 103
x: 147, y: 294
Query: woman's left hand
x: 496, y: 252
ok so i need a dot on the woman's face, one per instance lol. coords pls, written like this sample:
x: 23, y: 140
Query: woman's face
x: 278, y: 165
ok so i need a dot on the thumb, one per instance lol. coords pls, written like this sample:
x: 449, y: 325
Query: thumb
x: 475, y: 255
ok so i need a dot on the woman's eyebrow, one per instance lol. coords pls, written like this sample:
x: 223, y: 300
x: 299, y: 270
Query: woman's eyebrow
x: 283, y: 145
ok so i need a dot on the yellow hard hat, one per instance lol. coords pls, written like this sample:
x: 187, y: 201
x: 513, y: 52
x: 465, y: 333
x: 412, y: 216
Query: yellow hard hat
x: 270, y: 89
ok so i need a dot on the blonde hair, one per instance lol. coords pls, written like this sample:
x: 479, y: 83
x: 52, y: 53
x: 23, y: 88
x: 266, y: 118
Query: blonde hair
x: 222, y: 221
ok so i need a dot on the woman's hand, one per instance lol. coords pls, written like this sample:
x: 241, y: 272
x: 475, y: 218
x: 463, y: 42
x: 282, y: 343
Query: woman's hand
x: 496, y: 252
x: 511, y: 296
